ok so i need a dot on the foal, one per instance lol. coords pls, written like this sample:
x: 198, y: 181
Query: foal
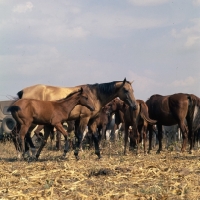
x: 49, y: 113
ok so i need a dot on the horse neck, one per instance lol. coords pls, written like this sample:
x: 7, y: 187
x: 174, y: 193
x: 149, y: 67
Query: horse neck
x: 105, y: 98
x: 105, y: 92
x: 70, y: 102
x: 120, y: 107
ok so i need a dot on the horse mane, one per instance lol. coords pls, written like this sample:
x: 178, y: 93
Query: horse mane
x: 106, y: 88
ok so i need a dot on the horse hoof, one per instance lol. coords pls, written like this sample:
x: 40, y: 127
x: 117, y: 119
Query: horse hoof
x: 77, y: 158
x: 64, y: 154
x: 190, y: 152
x: 98, y: 154
x: 31, y: 159
x: 158, y: 152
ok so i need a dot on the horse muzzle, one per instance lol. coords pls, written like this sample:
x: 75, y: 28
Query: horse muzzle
x: 133, y: 106
x: 91, y: 108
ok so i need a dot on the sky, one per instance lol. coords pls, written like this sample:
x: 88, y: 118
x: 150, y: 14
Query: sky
x: 154, y: 43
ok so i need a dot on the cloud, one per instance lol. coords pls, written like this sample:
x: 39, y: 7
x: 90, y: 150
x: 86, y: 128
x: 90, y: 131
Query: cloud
x: 189, y: 81
x: 114, y: 25
x: 144, y: 85
x: 147, y: 2
x: 190, y: 36
x: 22, y: 8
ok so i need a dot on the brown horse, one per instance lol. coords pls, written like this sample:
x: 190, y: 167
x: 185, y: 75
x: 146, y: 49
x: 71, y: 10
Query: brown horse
x: 175, y: 109
x: 101, y: 123
x: 53, y: 113
x: 138, y: 119
x: 100, y: 93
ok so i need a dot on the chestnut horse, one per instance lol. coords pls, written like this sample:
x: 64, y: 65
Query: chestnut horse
x: 175, y: 109
x: 50, y: 113
x: 100, y: 93
x: 138, y: 119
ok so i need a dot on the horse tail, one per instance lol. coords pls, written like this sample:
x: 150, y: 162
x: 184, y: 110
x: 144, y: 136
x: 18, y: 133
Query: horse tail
x: 20, y: 94
x: 193, y: 100
x: 145, y: 115
x: 13, y: 109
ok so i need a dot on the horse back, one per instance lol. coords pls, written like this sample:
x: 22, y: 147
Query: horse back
x: 46, y: 92
x: 159, y: 109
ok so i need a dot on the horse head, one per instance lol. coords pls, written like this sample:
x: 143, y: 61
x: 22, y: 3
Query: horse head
x: 126, y: 94
x: 86, y: 99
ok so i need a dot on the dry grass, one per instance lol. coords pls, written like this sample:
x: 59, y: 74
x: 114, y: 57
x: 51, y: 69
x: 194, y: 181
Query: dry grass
x: 165, y: 176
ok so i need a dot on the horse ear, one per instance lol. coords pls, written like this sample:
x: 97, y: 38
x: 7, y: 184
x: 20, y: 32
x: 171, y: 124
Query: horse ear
x: 81, y: 90
x: 124, y: 81
x: 131, y: 82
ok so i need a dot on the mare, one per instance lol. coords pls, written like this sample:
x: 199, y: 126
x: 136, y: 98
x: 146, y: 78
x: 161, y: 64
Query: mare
x: 138, y: 119
x: 49, y: 113
x: 100, y: 93
x: 175, y: 109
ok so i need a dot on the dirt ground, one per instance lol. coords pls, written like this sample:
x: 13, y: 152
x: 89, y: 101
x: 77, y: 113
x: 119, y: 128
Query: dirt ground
x: 169, y: 175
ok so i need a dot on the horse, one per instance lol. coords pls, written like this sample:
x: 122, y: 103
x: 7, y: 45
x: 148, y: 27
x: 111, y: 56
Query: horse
x: 101, y: 123
x: 100, y: 93
x: 175, y: 109
x: 138, y: 119
x: 49, y: 113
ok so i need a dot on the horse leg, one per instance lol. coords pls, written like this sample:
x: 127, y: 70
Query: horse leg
x: 103, y: 135
x: 95, y: 138
x: 144, y: 138
x: 160, y: 137
x: 58, y: 140
x: 52, y: 136
x: 191, y: 138
x: 80, y: 127
x: 125, y: 138
x: 89, y: 138
x: 184, y: 135
x: 142, y: 130
x: 38, y: 129
x: 47, y: 130
x: 60, y: 129
x: 150, y: 129
x: 22, y: 133
x: 29, y: 142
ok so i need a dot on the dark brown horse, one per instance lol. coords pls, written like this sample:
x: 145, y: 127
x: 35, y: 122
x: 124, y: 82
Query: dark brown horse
x: 175, y: 109
x: 50, y: 113
x: 101, y: 123
x: 138, y: 119
x: 101, y: 95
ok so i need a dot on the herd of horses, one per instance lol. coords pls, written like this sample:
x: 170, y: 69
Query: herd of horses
x: 92, y: 105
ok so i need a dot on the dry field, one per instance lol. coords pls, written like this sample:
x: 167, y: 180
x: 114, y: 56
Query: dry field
x: 169, y: 175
